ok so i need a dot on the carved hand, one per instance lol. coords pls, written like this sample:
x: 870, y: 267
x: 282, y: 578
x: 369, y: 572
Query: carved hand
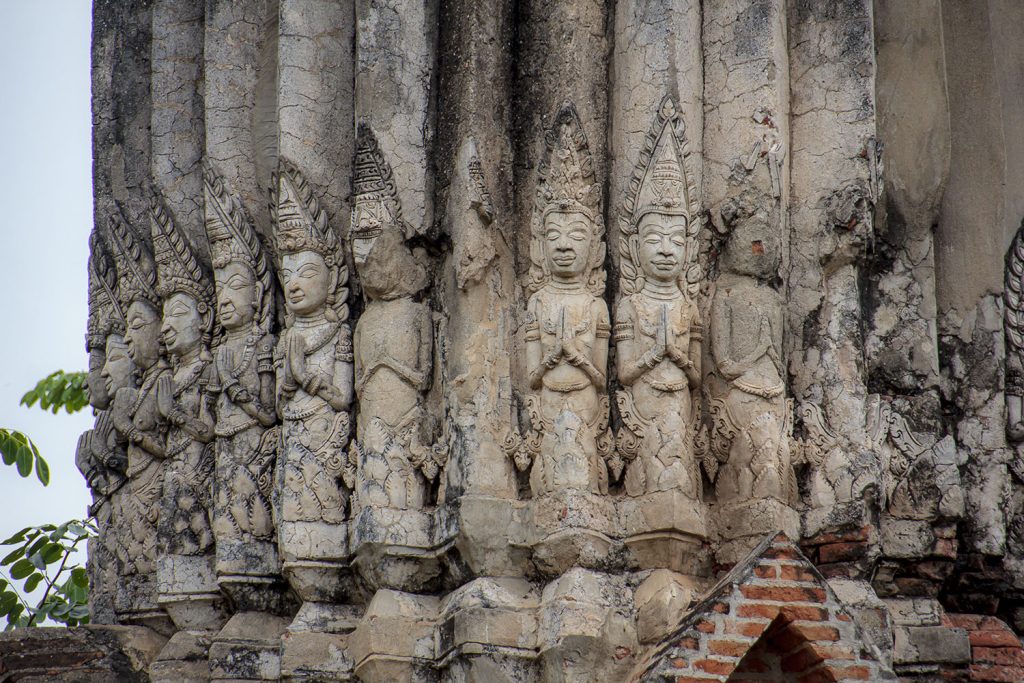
x: 165, y: 396
x: 102, y: 431
x: 1016, y: 431
x: 653, y: 356
x: 119, y: 410
x: 572, y: 353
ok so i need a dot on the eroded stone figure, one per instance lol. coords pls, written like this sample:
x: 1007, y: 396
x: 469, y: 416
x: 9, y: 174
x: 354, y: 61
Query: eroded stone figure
x: 101, y: 456
x: 139, y: 424
x: 242, y: 387
x: 393, y: 345
x: 186, y: 576
x: 568, y: 325
x: 752, y: 417
x: 1013, y: 295
x: 658, y: 330
x: 314, y: 392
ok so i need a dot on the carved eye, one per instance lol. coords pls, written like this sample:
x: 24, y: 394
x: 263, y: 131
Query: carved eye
x: 552, y: 235
x: 679, y: 240
x: 578, y: 235
x: 309, y: 271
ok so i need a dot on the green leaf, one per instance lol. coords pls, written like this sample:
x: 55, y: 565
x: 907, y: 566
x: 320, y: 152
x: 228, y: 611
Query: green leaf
x: 32, y: 582
x: 37, y: 561
x: 42, y: 471
x: 80, y: 577
x: 12, y: 556
x: 67, y: 390
x: 21, y: 569
x: 18, y: 537
x: 24, y: 460
x: 15, y: 614
x: 7, y: 602
x: 52, y: 552
x: 38, y: 545
x: 79, y: 611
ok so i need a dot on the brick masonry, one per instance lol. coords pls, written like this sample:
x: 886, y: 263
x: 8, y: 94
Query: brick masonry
x: 773, y: 617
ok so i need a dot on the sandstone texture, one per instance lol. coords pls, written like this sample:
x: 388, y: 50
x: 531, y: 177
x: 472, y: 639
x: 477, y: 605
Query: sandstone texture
x: 482, y: 340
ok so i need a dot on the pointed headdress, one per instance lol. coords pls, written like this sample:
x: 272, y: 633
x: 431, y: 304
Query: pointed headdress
x: 301, y: 225
x: 136, y: 269
x: 177, y: 266
x: 661, y: 184
x: 233, y: 239
x: 376, y: 205
x: 105, y: 313
x: 566, y: 183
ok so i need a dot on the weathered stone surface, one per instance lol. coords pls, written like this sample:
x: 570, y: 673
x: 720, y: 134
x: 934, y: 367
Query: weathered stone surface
x: 575, y: 304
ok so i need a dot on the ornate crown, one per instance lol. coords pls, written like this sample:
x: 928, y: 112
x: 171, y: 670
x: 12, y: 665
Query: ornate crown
x: 376, y: 205
x: 565, y: 174
x: 136, y: 270
x: 301, y: 225
x: 661, y: 184
x: 178, y: 269
x: 566, y: 184
x: 105, y: 314
x: 232, y: 237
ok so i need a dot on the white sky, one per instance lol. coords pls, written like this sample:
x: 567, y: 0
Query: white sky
x: 46, y: 177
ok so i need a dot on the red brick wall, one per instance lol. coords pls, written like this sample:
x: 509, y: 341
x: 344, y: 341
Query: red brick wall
x: 996, y: 652
x: 774, y: 610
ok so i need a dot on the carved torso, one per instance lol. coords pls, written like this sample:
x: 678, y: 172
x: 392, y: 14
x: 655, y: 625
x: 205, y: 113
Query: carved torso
x: 640, y: 318
x: 327, y: 351
x: 231, y: 417
x: 747, y: 336
x: 576, y: 315
x: 392, y: 350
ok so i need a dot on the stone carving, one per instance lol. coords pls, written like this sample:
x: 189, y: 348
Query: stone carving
x: 919, y: 481
x: 1013, y: 294
x: 567, y: 326
x: 658, y: 330
x: 393, y: 344
x: 750, y: 454
x: 186, y: 575
x: 314, y: 391
x: 243, y: 389
x: 100, y: 456
x: 138, y: 423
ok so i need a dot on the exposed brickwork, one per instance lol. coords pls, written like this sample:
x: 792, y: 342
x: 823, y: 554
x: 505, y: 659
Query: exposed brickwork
x: 997, y: 655
x: 772, y: 618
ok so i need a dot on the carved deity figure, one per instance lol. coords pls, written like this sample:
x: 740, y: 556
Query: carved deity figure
x: 185, y: 534
x: 568, y: 325
x: 138, y: 423
x: 101, y: 457
x: 314, y: 384
x: 393, y: 344
x: 1013, y: 295
x: 242, y: 386
x: 750, y: 446
x: 658, y: 331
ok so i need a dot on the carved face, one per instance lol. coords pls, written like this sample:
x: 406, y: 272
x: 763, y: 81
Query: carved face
x: 662, y: 246
x: 306, y: 280
x: 143, y: 334
x: 752, y: 249
x: 182, y: 329
x: 567, y: 244
x: 237, y: 295
x: 368, y: 218
x: 98, y: 396
x: 118, y: 370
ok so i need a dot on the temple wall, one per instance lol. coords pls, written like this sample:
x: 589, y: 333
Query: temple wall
x: 499, y: 340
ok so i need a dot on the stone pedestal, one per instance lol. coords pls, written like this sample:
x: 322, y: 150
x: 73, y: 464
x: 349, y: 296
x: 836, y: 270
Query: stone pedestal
x: 315, y: 560
x: 395, y: 639
x: 585, y: 632
x: 487, y: 631
x: 315, y: 645
x: 490, y: 538
x: 398, y: 549
x: 741, y: 526
x: 571, y: 528
x: 664, y: 530
x: 248, y: 648
x: 187, y: 586
x: 184, y: 659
